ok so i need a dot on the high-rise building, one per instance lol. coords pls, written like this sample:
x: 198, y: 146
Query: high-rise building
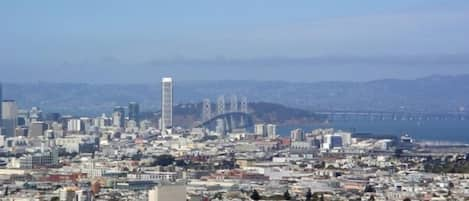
x: 206, y: 110
x: 346, y: 137
x: 74, y: 125
x: 166, y: 103
x: 37, y: 129
x: 272, y: 131
x: 23, y: 118
x: 221, y: 105
x: 297, y: 135
x: 102, y: 121
x: 35, y: 114
x: 118, y: 116
x: 9, y: 117
x: 332, y: 141
x: 134, y: 111
x: 260, y: 129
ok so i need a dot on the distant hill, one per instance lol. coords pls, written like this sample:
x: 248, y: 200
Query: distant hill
x: 280, y: 114
x: 190, y: 114
x: 429, y: 94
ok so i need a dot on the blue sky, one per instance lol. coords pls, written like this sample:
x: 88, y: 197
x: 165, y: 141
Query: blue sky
x: 140, y: 41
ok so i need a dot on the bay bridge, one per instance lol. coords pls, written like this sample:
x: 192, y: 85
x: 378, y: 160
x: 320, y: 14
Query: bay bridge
x: 390, y: 115
x: 228, y: 117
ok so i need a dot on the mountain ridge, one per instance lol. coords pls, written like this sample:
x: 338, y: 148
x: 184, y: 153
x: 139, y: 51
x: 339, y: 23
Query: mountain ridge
x: 437, y: 93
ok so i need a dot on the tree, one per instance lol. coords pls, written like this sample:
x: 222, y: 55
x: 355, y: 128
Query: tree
x: 137, y: 157
x: 255, y: 195
x: 451, y: 185
x: 398, y: 153
x: 287, y: 195
x: 55, y: 198
x: 218, y: 196
x: 164, y: 160
x: 309, y: 195
x: 369, y: 189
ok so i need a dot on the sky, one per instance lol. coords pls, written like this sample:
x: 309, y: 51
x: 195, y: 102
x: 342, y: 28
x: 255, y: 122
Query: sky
x: 303, y: 40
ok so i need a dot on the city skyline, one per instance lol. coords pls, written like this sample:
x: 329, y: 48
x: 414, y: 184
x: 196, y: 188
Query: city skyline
x: 242, y: 100
x: 166, y: 104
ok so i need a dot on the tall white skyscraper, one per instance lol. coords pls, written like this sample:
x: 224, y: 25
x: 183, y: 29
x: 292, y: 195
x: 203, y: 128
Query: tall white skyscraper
x: 166, y: 103
x: 260, y: 129
x: 118, y: 116
x: 74, y: 125
x: 9, y: 117
x: 272, y: 131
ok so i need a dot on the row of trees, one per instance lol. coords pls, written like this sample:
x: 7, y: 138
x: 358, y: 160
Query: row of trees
x: 437, y: 166
x: 286, y: 196
x: 309, y: 196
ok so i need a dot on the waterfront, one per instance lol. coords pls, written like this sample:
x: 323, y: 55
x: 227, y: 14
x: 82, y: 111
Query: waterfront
x: 434, y: 130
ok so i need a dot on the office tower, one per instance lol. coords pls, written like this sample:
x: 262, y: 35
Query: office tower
x: 166, y: 103
x: 221, y: 105
x: 37, y: 129
x: 346, y: 137
x: 22, y: 131
x: 234, y: 103
x: 102, y: 121
x: 206, y: 110
x: 9, y: 115
x: 74, y: 125
x: 244, y: 104
x: 260, y: 129
x: 23, y: 118
x: 332, y: 141
x: 35, y: 114
x: 118, y: 116
x: 134, y: 111
x: 297, y: 135
x: 272, y: 131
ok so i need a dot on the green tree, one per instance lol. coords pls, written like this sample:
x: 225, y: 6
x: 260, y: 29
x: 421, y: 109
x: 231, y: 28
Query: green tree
x: 309, y: 195
x: 369, y: 189
x: 287, y: 195
x: 218, y: 196
x: 255, y: 195
x: 164, y: 160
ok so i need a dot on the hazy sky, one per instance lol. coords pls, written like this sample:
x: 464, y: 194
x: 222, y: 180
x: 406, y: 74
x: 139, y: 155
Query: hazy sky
x: 311, y: 40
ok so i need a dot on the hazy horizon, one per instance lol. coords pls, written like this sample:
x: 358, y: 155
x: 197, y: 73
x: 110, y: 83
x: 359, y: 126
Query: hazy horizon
x: 130, y: 42
x: 157, y: 81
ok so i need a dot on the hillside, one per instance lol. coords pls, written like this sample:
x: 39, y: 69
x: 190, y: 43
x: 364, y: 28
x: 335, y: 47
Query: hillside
x: 188, y: 114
